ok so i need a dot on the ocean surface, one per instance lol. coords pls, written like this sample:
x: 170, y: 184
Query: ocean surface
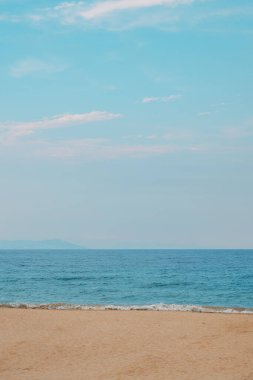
x: 198, y: 280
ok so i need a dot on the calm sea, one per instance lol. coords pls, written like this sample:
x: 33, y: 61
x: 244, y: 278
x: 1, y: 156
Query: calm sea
x: 149, y: 279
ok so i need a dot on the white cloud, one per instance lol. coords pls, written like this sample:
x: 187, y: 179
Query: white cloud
x: 110, y: 14
x: 102, y: 9
x: 32, y: 66
x: 161, y: 99
x: 13, y: 130
x: 114, y: 15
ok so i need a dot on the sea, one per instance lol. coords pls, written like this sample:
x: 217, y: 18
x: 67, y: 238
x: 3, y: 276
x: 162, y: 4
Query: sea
x: 186, y: 280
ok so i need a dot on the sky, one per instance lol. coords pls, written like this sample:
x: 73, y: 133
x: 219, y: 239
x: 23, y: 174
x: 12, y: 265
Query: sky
x: 127, y: 123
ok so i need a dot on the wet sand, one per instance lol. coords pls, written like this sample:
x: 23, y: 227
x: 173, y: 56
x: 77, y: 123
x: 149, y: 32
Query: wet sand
x: 61, y: 345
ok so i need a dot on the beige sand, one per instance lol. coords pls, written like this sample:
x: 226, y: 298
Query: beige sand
x: 59, y: 345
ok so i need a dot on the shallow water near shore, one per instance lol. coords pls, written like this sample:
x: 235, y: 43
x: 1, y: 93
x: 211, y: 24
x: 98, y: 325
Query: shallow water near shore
x: 186, y: 280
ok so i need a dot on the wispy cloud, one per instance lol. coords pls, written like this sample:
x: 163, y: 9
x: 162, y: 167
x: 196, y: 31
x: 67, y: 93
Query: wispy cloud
x: 18, y: 129
x: 168, y: 15
x: 128, y: 147
x: 93, y: 149
x: 114, y: 14
x: 89, y: 149
x: 33, y: 65
x: 98, y: 148
x: 102, y: 9
x: 161, y: 99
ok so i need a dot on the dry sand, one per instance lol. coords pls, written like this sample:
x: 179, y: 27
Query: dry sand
x: 60, y: 345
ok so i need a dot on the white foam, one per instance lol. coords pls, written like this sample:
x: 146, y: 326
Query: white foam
x: 154, y: 307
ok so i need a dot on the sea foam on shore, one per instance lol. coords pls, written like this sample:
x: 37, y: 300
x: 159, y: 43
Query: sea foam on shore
x: 154, y: 307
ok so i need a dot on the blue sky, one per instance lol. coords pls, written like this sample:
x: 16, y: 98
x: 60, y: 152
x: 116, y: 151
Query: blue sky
x: 127, y: 123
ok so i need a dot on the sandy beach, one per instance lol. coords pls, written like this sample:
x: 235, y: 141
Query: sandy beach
x: 54, y: 345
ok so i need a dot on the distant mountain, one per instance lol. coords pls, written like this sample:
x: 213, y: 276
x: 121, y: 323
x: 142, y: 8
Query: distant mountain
x: 37, y: 244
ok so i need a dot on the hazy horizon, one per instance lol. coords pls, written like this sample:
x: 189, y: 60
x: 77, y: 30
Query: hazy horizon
x: 59, y: 244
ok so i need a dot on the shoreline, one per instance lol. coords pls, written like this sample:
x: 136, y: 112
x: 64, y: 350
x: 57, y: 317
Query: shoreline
x: 114, y: 307
x: 116, y: 344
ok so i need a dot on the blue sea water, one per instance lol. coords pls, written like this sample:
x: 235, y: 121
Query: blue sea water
x: 165, y: 279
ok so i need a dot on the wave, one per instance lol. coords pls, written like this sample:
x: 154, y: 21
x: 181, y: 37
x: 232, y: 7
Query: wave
x: 154, y: 307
